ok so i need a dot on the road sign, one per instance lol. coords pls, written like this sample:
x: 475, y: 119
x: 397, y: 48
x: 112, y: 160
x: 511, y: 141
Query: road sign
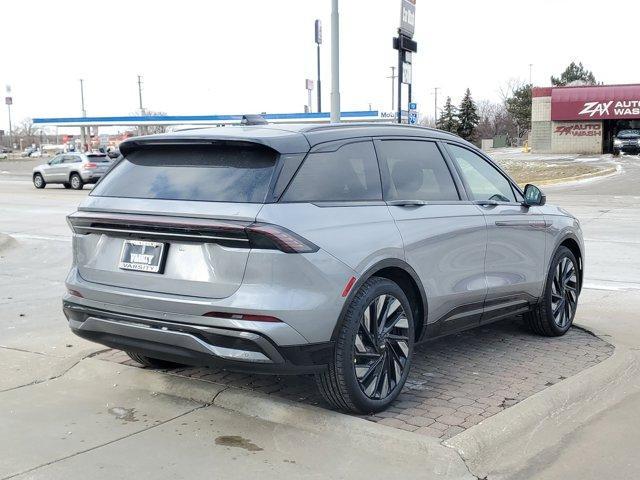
x: 407, y: 17
x: 308, y: 84
x: 318, y: 32
x: 406, y: 73
x: 8, y: 100
x: 413, y: 113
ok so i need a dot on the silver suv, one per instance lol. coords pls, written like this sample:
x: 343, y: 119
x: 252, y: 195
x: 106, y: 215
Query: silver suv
x: 73, y: 170
x: 328, y: 249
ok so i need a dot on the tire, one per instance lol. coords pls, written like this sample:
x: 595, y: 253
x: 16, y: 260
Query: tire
x: 554, y: 315
x: 76, y: 182
x: 150, y: 362
x: 384, y: 359
x: 38, y: 181
x: 66, y: 185
x: 616, y: 152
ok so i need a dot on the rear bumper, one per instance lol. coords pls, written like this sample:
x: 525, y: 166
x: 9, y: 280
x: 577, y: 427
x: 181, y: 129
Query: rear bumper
x: 196, y: 345
x: 633, y: 149
x: 88, y: 177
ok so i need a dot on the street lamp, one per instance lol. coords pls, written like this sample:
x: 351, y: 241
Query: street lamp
x: 335, y: 62
x: 318, y: 38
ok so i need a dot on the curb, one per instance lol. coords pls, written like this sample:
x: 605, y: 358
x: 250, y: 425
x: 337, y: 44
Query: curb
x: 606, y: 172
x: 442, y: 461
x: 502, y: 444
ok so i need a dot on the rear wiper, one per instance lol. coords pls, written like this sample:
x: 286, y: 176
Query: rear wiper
x: 406, y: 203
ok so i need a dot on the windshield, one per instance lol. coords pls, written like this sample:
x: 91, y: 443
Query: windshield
x: 628, y: 134
x: 203, y: 173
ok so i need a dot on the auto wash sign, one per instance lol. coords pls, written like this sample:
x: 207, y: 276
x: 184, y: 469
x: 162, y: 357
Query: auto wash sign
x: 586, y: 129
x: 595, y: 103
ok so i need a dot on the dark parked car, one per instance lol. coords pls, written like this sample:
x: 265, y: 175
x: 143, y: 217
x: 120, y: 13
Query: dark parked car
x: 325, y: 249
x: 627, y: 141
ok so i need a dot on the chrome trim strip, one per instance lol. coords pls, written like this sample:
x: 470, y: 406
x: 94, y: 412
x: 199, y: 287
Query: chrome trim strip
x: 80, y: 229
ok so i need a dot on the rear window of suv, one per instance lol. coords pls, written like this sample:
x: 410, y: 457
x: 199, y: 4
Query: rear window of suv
x: 199, y: 173
x: 98, y: 157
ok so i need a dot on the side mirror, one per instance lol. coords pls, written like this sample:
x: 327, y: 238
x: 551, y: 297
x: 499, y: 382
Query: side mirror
x: 533, y: 196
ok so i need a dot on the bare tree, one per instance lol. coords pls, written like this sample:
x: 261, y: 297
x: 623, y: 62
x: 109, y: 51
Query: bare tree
x: 25, y: 132
x: 494, y: 120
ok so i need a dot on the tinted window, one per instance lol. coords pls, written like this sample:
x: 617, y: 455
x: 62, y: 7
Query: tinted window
x: 218, y: 174
x: 417, y: 171
x: 483, y: 179
x: 71, y: 159
x: 350, y: 173
x: 97, y: 157
x: 56, y: 160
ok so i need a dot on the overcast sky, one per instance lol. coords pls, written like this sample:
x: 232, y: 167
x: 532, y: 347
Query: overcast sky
x: 226, y: 57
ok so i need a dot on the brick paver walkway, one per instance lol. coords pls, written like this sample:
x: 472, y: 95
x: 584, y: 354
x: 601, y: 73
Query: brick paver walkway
x: 455, y: 382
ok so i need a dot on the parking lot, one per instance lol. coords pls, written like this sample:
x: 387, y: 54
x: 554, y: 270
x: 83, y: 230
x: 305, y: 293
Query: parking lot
x: 456, y: 383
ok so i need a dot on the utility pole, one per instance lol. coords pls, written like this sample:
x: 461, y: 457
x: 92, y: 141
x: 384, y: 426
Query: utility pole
x: 335, y: 62
x: 83, y: 133
x: 435, y: 104
x: 143, y: 129
x: 9, y: 101
x: 393, y: 77
x: 318, y: 32
x: 140, y: 94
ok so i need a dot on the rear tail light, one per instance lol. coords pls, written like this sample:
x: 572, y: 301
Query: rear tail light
x: 90, y: 166
x: 247, y: 317
x: 262, y: 235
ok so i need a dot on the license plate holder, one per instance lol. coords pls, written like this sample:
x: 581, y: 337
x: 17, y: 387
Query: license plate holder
x: 143, y: 256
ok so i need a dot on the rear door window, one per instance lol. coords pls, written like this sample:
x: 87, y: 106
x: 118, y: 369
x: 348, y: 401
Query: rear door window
x: 201, y: 173
x: 417, y: 171
x: 350, y: 173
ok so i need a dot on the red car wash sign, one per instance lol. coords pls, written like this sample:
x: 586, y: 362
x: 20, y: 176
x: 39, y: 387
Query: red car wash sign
x: 579, y: 129
x: 595, y: 103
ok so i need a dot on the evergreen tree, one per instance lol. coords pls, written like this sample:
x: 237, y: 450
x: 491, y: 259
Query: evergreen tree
x: 448, y: 120
x: 468, y: 118
x: 519, y: 107
x: 574, y: 73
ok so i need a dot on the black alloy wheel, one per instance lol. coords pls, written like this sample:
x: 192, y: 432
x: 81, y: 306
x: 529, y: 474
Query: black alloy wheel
x: 564, y: 292
x: 381, y: 347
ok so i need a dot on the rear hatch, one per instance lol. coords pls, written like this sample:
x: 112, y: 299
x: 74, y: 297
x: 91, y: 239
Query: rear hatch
x: 172, y: 218
x: 98, y: 162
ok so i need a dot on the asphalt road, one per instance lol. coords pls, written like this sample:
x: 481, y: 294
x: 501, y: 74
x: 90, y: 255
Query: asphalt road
x: 32, y: 282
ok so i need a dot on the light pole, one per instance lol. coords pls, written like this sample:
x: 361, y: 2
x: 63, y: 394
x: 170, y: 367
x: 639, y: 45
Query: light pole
x: 83, y: 134
x: 335, y: 62
x: 530, y: 75
x: 318, y: 32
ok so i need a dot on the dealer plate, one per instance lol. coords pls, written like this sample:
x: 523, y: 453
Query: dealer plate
x: 143, y: 256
